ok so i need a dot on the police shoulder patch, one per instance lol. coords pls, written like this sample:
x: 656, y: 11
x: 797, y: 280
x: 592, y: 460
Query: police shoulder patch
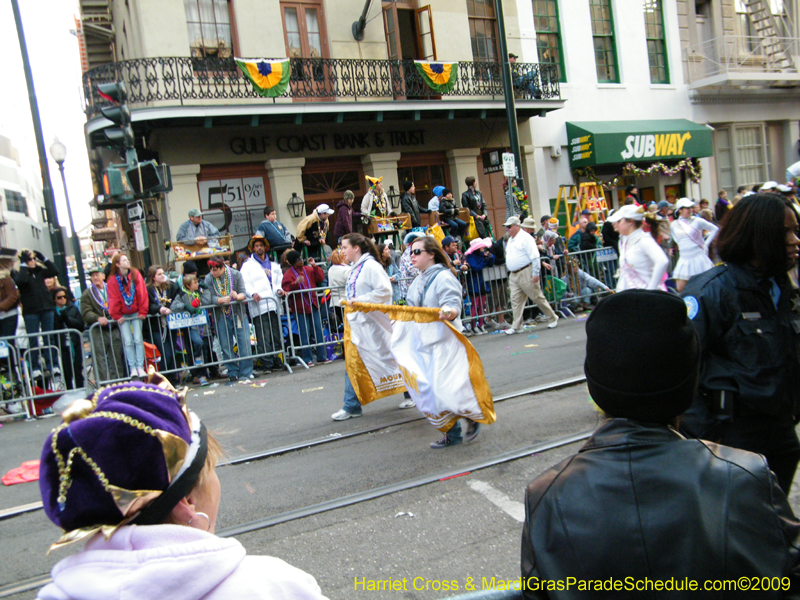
x: 692, y: 306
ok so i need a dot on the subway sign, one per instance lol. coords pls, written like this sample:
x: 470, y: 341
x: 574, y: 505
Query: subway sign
x: 614, y: 142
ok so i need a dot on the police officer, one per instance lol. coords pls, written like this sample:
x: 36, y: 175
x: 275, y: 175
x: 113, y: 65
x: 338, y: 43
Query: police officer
x: 747, y: 315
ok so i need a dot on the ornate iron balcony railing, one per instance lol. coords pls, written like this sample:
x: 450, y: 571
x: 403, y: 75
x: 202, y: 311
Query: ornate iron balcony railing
x: 187, y: 80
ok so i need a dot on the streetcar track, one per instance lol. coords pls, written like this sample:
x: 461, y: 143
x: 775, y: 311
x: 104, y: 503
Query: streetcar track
x: 34, y: 583
x: 16, y: 511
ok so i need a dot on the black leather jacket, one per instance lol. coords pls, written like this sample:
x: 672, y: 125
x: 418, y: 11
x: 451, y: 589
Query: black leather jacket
x: 473, y: 200
x: 749, y: 348
x: 640, y: 501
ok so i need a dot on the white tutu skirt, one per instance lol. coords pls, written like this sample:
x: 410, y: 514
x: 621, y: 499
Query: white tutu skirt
x: 688, y: 267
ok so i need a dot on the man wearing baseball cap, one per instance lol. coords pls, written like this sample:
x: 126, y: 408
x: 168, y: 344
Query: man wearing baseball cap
x: 523, y: 264
x: 639, y: 502
x: 312, y: 231
x: 196, y: 230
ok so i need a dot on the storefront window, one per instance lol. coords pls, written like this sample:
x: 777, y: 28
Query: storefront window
x: 741, y: 153
x: 329, y: 186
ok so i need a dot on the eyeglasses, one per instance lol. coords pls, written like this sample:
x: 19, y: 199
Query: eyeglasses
x: 61, y: 297
x: 417, y: 251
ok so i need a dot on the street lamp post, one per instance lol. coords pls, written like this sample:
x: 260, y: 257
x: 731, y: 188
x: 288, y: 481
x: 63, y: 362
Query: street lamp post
x: 59, y: 153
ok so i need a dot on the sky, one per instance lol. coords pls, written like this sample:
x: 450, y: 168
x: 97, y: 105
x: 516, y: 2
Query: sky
x: 55, y: 62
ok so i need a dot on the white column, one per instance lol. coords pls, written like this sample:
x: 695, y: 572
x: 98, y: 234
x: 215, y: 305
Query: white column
x: 383, y: 164
x: 183, y: 197
x: 463, y: 163
x: 535, y: 173
x: 285, y: 177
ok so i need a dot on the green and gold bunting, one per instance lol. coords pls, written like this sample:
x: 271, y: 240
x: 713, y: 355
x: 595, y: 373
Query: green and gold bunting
x: 270, y: 78
x: 441, y: 77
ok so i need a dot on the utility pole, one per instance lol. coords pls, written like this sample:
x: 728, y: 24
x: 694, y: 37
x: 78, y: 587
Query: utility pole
x: 56, y: 239
x: 508, y: 88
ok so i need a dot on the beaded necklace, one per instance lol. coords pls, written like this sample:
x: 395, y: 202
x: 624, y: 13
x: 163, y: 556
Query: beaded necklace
x: 222, y: 287
x: 128, y: 297
x: 306, y: 295
x: 101, y: 297
x: 323, y: 229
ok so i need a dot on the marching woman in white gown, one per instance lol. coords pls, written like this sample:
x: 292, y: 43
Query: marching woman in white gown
x: 687, y: 232
x: 642, y: 262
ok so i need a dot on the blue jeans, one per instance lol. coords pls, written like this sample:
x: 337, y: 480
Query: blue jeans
x: 44, y: 322
x: 305, y: 324
x: 351, y: 403
x: 132, y: 342
x: 457, y: 226
x: 227, y: 330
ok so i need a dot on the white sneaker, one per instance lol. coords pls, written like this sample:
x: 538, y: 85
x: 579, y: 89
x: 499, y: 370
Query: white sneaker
x: 56, y: 371
x: 36, y: 373
x: 467, y: 331
x: 343, y: 415
x: 510, y: 331
x: 480, y: 331
x: 554, y: 324
x: 541, y: 318
x: 14, y: 408
x: 408, y: 403
x: 140, y: 372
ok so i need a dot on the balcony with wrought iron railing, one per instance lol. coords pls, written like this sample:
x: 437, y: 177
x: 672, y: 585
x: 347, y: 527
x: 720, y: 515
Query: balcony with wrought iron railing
x: 182, y: 81
x: 738, y: 61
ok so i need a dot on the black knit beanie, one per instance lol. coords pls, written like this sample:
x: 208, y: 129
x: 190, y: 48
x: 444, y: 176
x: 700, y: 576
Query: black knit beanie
x: 407, y: 185
x: 628, y: 337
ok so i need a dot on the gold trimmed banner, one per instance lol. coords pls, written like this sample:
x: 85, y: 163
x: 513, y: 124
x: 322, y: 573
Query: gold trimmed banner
x: 441, y: 77
x: 270, y: 78
x: 440, y: 368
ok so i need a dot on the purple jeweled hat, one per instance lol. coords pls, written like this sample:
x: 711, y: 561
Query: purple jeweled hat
x: 127, y: 455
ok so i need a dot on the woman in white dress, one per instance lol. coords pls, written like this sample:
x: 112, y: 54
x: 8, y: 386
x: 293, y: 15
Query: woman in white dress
x: 687, y: 233
x: 642, y: 262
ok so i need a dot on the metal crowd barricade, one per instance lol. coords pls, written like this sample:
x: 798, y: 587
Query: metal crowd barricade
x: 181, y: 345
x: 35, y: 377
x: 320, y: 333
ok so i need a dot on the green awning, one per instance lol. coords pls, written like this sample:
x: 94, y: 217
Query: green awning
x: 613, y: 142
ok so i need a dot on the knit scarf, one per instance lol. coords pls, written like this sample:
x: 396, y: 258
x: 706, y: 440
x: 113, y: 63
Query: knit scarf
x: 265, y: 264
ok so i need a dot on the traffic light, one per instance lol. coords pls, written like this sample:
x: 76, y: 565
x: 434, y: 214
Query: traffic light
x: 144, y: 177
x: 114, y: 183
x: 118, y: 113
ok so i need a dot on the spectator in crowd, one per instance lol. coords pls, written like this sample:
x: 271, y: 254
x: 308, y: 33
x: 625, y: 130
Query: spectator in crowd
x: 688, y: 233
x: 722, y: 206
x: 478, y: 258
x: 108, y: 358
x: 589, y: 240
x: 610, y: 234
x: 449, y: 212
x: 224, y: 286
x: 275, y: 232
x: 391, y: 270
x: 433, y: 203
x: 631, y: 195
x: 69, y: 317
x: 263, y: 279
x: 196, y: 231
x: 344, y: 218
x: 745, y: 312
x: 128, y: 303
x: 544, y: 222
x: 768, y: 187
x: 312, y: 231
x: 450, y: 246
x: 583, y: 285
x: 161, y: 292
x: 38, y: 308
x: 707, y: 215
x: 50, y: 283
x: 554, y: 247
x: 198, y: 347
x: 523, y: 264
x: 513, y: 208
x: 375, y: 202
x: 409, y: 204
x: 158, y: 539
x: 338, y: 270
x: 664, y: 210
x: 676, y: 509
x: 474, y: 201
x: 305, y: 305
x: 9, y: 301
x: 407, y: 270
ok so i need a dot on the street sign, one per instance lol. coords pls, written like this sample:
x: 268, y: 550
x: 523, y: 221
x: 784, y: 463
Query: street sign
x: 606, y: 255
x: 509, y: 167
x: 138, y: 235
x: 185, y: 319
x: 135, y: 211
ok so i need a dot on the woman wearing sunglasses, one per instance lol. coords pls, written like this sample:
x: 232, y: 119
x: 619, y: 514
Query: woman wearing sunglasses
x: 368, y: 283
x: 69, y: 317
x: 438, y: 287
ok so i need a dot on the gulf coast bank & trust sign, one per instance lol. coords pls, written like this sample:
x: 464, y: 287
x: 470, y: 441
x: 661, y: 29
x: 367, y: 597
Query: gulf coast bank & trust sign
x: 321, y: 142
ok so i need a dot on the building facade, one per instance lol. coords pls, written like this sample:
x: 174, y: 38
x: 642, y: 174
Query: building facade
x: 22, y: 216
x: 352, y: 107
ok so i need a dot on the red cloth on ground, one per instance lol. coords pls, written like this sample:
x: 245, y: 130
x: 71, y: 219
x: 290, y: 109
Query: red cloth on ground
x: 27, y: 471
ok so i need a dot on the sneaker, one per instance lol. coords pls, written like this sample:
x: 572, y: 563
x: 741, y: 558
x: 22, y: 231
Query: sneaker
x: 553, y: 325
x: 14, y: 408
x: 203, y: 381
x: 141, y: 372
x: 510, y: 331
x: 472, y: 431
x: 36, y: 373
x: 56, y: 372
x: 343, y: 415
x: 309, y: 364
x: 444, y: 443
x: 325, y: 362
x: 232, y: 378
x: 407, y: 403
x: 480, y: 331
x: 541, y: 318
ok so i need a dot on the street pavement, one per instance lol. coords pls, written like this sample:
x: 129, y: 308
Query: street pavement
x: 448, y: 531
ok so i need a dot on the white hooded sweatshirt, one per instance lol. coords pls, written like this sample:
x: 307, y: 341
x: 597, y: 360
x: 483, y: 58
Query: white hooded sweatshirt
x: 179, y: 563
